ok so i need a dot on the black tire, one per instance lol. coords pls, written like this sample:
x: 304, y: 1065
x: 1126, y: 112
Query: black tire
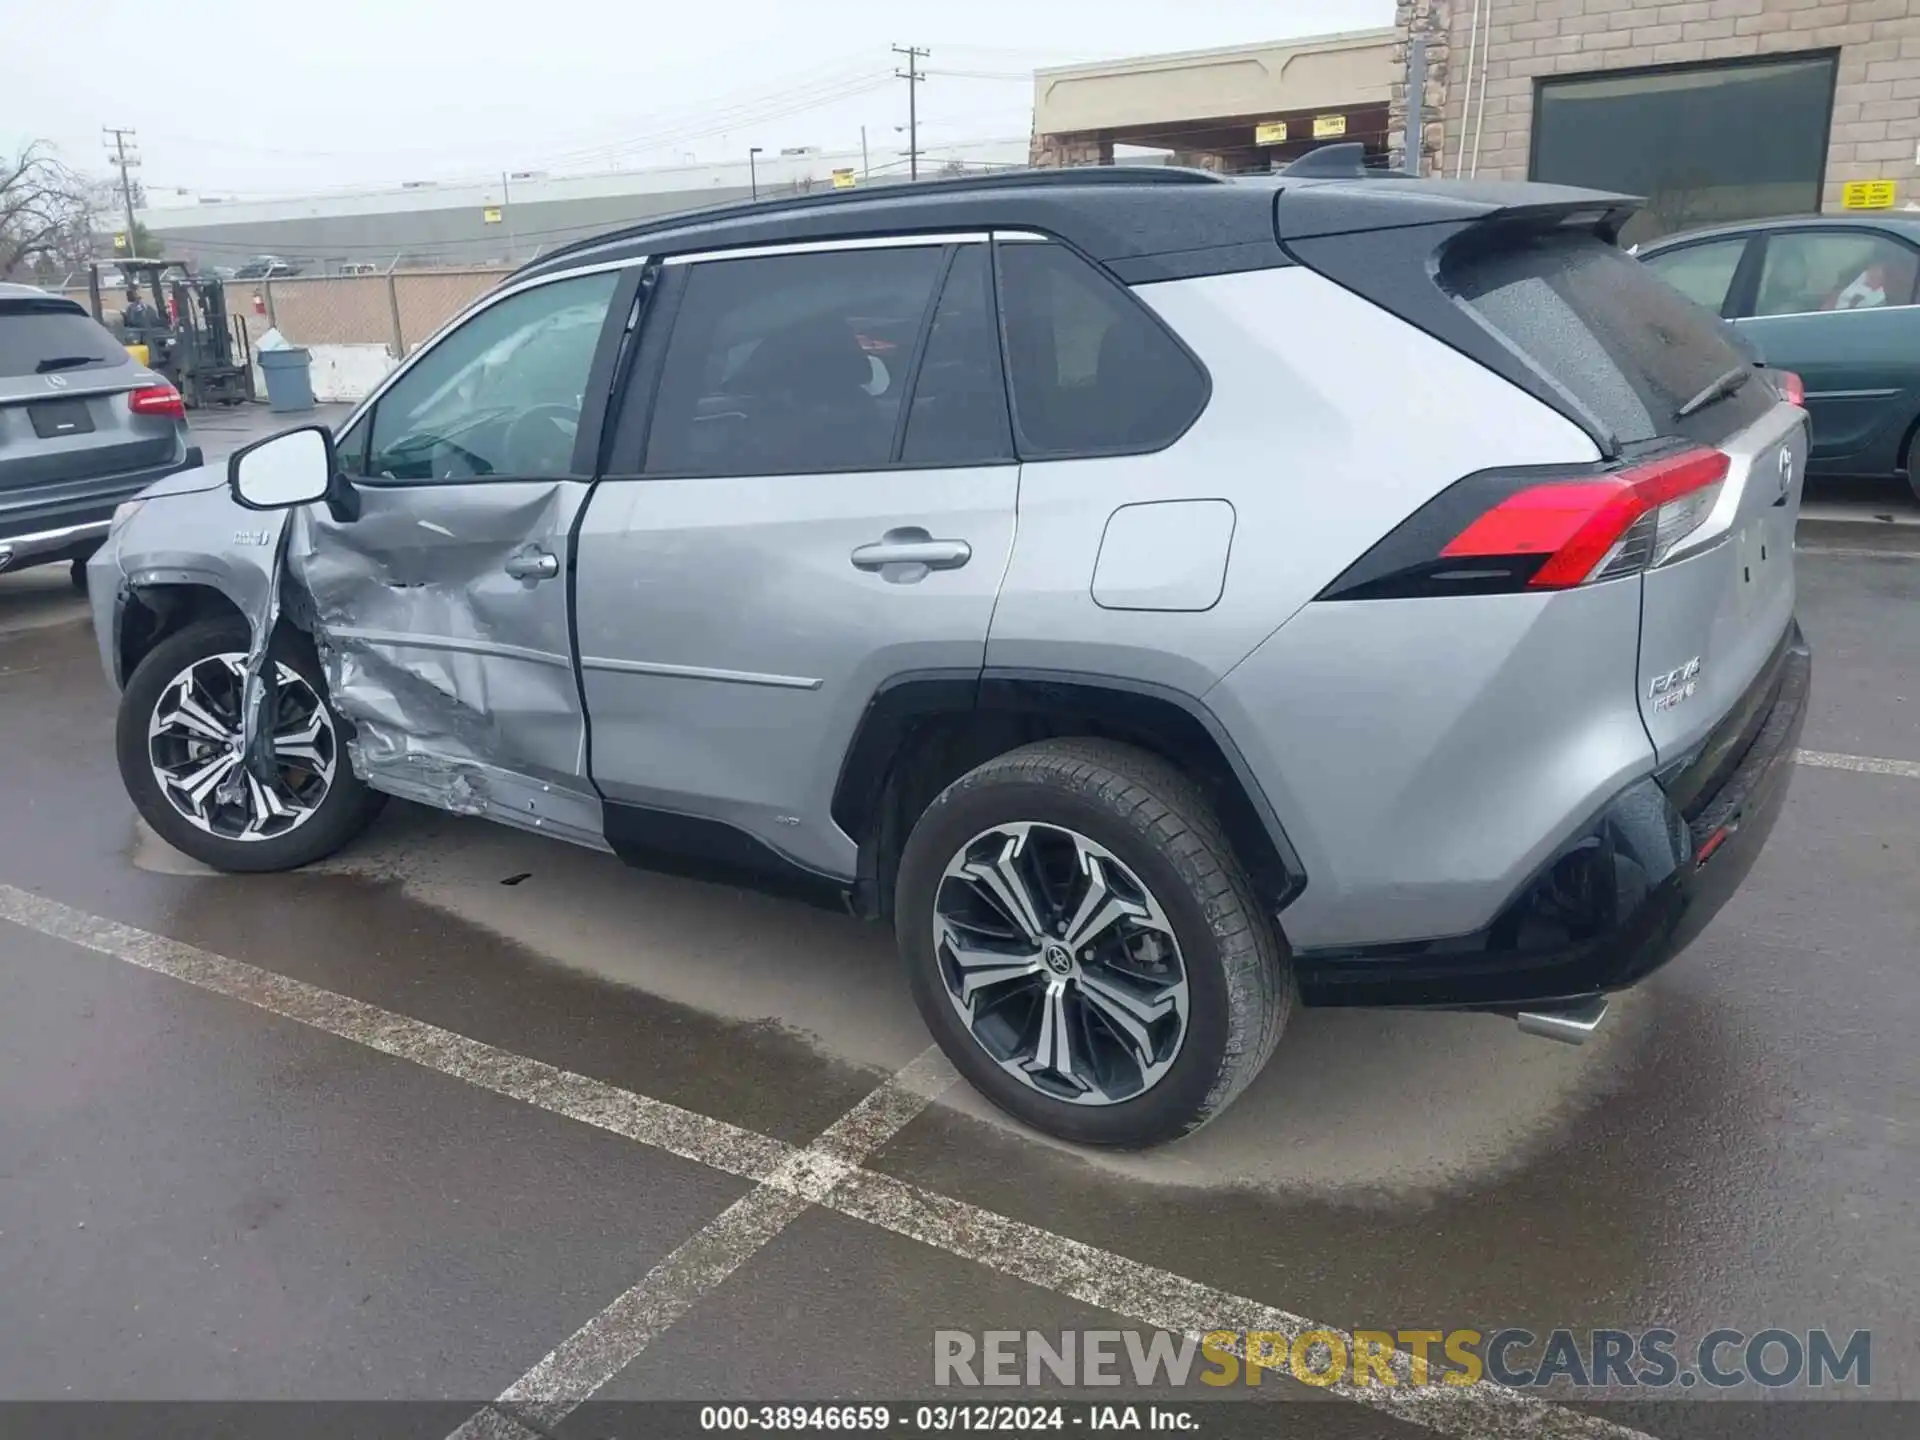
x: 1913, y: 461
x: 77, y: 573
x: 346, y: 810
x: 1156, y: 822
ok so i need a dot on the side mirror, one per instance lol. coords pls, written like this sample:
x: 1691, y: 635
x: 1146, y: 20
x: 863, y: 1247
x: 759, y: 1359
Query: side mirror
x: 292, y: 468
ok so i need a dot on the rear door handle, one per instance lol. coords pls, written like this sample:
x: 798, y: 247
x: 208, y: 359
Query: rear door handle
x: 912, y: 550
x: 530, y: 562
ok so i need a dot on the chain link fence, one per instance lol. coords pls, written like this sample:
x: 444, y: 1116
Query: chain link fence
x: 398, y: 310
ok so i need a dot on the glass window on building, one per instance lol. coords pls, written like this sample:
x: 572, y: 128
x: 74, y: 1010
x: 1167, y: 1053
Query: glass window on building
x: 1705, y: 144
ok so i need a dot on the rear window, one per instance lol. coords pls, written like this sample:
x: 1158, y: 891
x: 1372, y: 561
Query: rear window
x: 42, y: 337
x: 1630, y: 350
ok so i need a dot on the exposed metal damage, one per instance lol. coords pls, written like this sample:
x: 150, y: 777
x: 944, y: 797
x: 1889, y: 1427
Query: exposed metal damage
x: 422, y: 635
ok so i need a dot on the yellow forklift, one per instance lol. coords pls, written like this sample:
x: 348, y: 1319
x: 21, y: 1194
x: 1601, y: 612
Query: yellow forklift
x: 185, y: 333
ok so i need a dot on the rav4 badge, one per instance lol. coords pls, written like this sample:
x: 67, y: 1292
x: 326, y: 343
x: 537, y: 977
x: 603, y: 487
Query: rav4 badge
x: 1670, y: 689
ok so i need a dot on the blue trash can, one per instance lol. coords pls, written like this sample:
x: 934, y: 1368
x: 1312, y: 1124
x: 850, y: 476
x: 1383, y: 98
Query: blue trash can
x: 289, y: 385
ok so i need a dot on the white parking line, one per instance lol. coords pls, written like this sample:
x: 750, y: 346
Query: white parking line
x: 826, y: 1173
x: 1864, y: 764
x: 615, y: 1338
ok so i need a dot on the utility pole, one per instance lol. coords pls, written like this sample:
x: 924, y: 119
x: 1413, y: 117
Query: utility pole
x: 913, y: 77
x: 117, y: 138
x: 866, y: 170
x: 753, y: 170
x: 1416, y: 121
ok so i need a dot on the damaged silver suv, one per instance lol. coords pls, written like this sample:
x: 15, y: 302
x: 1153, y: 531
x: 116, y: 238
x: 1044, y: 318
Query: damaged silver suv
x: 1023, y: 560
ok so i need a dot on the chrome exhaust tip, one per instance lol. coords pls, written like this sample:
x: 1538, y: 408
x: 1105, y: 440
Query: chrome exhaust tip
x: 1570, y: 1026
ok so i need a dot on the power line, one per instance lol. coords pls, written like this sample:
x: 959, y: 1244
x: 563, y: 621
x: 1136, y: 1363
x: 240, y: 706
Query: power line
x: 913, y: 77
x: 842, y: 83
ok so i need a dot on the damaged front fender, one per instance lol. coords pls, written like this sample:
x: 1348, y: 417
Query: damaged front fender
x: 445, y: 650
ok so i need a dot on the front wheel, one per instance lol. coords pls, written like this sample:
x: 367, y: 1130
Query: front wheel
x: 178, y: 739
x: 1085, y: 946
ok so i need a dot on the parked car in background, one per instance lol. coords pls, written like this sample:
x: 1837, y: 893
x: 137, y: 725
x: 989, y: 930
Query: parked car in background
x: 993, y: 560
x: 1832, y: 299
x: 82, y: 428
x: 265, y: 267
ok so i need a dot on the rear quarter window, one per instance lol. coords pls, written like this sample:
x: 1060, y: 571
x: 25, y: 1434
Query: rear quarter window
x: 1629, y: 350
x: 42, y: 337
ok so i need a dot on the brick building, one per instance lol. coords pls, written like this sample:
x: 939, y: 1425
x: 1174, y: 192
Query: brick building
x: 1716, y: 110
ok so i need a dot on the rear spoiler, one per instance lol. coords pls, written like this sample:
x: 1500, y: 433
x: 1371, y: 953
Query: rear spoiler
x: 1309, y: 207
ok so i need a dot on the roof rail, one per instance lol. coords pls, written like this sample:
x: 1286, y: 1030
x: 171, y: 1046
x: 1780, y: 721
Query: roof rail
x: 1020, y: 179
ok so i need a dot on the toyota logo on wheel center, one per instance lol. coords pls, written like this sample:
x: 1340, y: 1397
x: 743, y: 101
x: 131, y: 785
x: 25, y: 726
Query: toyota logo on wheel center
x: 1057, y: 958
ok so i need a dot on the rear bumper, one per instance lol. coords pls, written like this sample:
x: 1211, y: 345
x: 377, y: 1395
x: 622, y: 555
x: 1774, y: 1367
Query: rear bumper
x: 1637, y: 884
x: 65, y: 542
x: 74, y: 525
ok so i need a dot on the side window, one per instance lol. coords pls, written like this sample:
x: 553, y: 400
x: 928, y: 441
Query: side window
x: 958, y: 415
x: 500, y: 395
x: 1702, y: 273
x: 1813, y: 270
x: 789, y: 364
x: 1092, y: 372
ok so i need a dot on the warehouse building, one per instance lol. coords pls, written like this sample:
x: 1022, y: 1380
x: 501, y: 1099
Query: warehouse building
x: 1244, y: 108
x: 512, y: 217
x: 1714, y: 110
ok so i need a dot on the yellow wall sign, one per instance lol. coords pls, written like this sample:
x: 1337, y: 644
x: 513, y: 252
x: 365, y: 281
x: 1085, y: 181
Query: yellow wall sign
x: 1271, y: 132
x: 1329, y: 125
x: 843, y: 179
x: 1867, y: 195
x: 120, y: 240
x: 490, y: 216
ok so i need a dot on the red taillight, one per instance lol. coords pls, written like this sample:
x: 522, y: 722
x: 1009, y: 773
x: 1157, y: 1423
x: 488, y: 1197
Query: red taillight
x: 157, y: 400
x: 1580, y: 524
x: 1792, y: 390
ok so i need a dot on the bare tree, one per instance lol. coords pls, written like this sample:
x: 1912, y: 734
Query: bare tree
x: 43, y: 212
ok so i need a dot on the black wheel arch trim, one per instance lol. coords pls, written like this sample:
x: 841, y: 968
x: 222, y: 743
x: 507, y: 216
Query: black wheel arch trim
x: 1119, y: 706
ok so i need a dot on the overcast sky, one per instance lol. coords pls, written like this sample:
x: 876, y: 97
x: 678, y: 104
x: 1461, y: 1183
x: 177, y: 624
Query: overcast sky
x: 250, y: 98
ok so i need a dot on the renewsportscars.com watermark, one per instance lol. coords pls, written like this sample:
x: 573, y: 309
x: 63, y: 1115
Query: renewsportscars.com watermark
x: 1655, y: 1359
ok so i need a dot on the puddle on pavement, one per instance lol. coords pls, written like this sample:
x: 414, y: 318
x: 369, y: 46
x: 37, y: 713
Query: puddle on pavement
x: 1353, y: 1100
x: 36, y: 598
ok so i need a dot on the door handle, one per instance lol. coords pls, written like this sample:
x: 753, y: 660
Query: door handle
x: 530, y: 562
x: 912, y: 546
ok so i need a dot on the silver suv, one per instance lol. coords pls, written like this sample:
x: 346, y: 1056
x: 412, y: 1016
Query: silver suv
x: 1161, y: 598
x: 82, y: 428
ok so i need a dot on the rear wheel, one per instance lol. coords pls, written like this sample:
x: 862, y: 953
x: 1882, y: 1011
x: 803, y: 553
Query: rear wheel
x: 1086, y: 948
x: 179, y: 746
x: 1913, y: 461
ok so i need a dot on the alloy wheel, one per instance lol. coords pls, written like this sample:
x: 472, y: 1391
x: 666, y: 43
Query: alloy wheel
x: 194, y: 746
x: 1061, y: 964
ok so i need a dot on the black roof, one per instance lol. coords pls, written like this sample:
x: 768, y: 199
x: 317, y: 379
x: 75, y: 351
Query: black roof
x: 1140, y: 221
x: 1144, y: 223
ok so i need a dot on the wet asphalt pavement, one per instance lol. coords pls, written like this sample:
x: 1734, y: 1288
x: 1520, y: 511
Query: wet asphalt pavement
x: 201, y: 1198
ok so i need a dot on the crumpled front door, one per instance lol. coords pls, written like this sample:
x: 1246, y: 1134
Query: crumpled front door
x: 441, y: 616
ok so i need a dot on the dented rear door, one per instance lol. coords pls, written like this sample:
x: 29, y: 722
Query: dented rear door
x: 442, y: 608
